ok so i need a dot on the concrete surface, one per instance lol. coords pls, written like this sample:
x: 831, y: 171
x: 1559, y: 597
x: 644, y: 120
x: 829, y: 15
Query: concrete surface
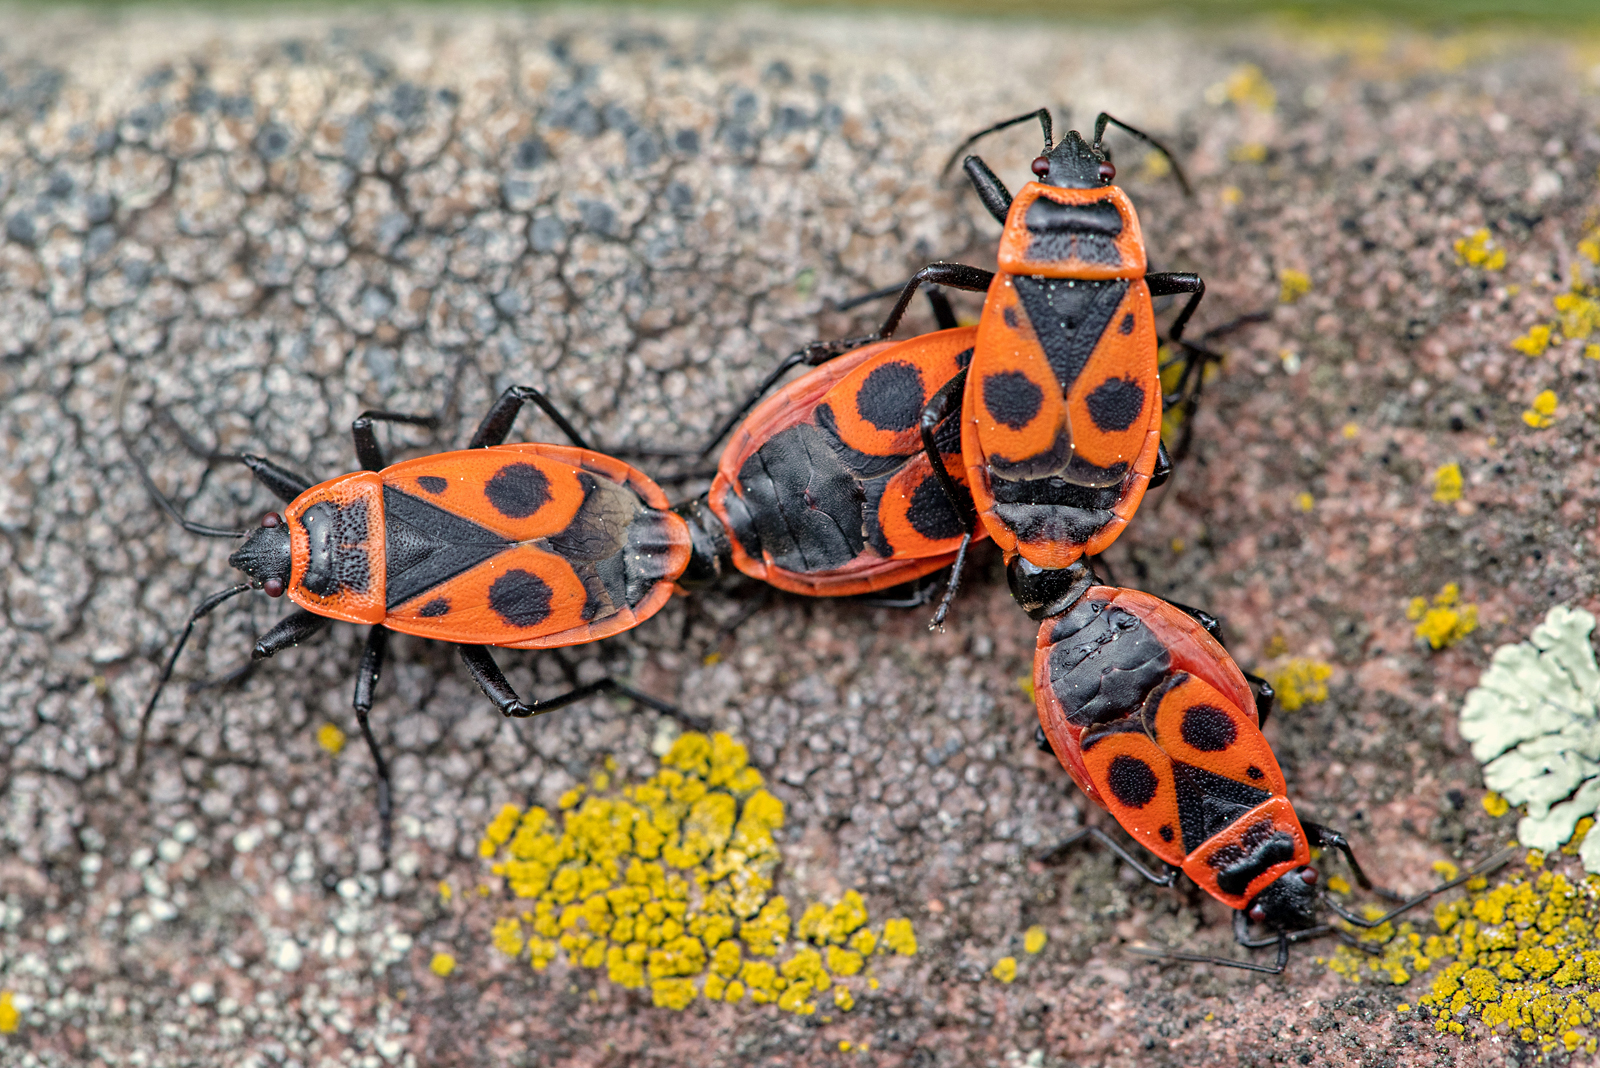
x: 264, y: 225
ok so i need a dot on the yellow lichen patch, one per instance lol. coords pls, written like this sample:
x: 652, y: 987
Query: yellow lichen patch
x: 1535, y: 341
x: 1495, y: 805
x: 331, y: 738
x: 10, y: 1018
x: 1447, y: 484
x: 1247, y: 86
x: 1579, y: 312
x: 442, y: 964
x: 1292, y: 285
x: 1305, y: 502
x: 1446, y: 621
x: 1543, y: 410
x: 1300, y: 682
x: 1034, y: 939
x: 1005, y: 969
x: 1522, y: 957
x: 1249, y: 152
x: 668, y: 885
x: 1479, y: 251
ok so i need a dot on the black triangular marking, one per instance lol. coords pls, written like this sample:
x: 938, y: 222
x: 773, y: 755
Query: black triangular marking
x: 1208, y: 802
x: 1068, y: 316
x: 424, y: 545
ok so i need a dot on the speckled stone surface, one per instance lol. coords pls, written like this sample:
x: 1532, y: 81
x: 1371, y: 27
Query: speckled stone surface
x: 262, y: 227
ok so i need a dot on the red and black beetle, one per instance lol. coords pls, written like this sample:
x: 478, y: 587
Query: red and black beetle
x: 526, y: 546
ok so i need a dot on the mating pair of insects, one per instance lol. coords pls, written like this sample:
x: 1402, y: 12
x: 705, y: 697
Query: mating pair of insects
x: 854, y: 478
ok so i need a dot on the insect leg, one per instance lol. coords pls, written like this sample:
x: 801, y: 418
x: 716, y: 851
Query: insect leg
x: 943, y: 313
x: 919, y: 596
x: 1163, y: 469
x: 1170, y: 283
x: 200, y: 612
x: 366, y: 682
x: 1106, y: 840
x: 940, y: 407
x: 497, y: 423
x: 1265, y: 696
x: 367, y: 448
x: 493, y: 682
x: 953, y: 275
x: 292, y: 629
x: 1484, y: 867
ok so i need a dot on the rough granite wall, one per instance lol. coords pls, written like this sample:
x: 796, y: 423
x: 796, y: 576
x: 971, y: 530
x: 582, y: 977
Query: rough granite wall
x: 261, y: 227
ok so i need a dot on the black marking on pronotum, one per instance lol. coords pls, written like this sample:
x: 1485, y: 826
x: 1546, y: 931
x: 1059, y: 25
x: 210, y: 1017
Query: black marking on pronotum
x: 1085, y: 232
x: 520, y: 598
x: 1131, y: 781
x: 432, y: 483
x: 1012, y: 398
x: 337, y: 540
x: 1238, y: 866
x: 426, y: 546
x: 1209, y: 729
x: 1115, y: 404
x: 892, y: 396
x: 518, y: 490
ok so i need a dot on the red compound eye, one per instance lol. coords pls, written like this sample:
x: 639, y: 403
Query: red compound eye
x: 1308, y: 876
x: 271, y: 519
x: 1258, y: 914
x: 273, y: 587
x: 1041, y: 166
x: 1108, y: 171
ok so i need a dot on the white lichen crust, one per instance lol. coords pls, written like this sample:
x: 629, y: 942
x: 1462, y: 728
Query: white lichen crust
x: 1534, y: 723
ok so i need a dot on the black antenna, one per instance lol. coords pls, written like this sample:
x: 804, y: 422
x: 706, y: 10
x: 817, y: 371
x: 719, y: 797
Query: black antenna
x: 1043, y: 115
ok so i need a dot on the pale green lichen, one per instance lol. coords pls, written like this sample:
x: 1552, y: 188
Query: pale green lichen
x: 1534, y: 723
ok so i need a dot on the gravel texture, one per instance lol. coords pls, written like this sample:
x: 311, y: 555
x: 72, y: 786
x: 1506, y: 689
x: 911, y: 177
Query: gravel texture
x: 260, y: 227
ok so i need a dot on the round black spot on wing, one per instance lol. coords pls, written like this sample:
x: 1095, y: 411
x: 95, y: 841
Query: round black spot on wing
x: 1115, y: 403
x: 1126, y: 326
x: 1131, y: 781
x: 518, y: 490
x: 892, y: 397
x: 437, y: 607
x: 1255, y: 772
x: 521, y: 598
x: 432, y: 483
x: 1012, y: 398
x: 1167, y: 833
x: 931, y: 514
x: 1207, y: 729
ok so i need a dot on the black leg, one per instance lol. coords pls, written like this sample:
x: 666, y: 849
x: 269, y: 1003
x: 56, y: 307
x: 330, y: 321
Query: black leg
x: 366, y: 682
x: 1163, y: 469
x: 940, y: 407
x: 493, y: 682
x: 1099, y: 136
x: 1265, y: 695
x: 1328, y: 838
x: 992, y: 192
x: 284, y: 483
x: 292, y: 629
x: 1174, y: 282
x: 497, y: 424
x: 943, y: 314
x: 367, y: 450
x: 1106, y: 840
x: 954, y: 275
x: 1281, y: 940
x: 1491, y: 864
x: 1041, y: 740
x: 1208, y: 622
x: 200, y: 612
